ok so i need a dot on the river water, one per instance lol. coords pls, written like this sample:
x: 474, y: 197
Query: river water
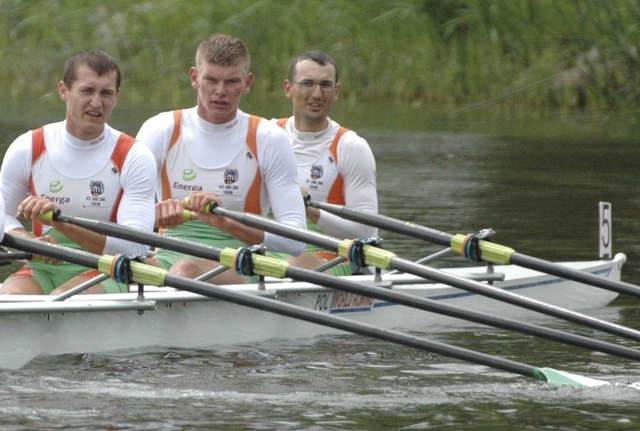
x: 541, y: 198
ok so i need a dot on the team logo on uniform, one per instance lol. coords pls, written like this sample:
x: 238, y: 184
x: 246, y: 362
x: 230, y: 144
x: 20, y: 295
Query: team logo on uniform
x: 249, y: 156
x: 316, y: 172
x: 189, y: 174
x: 55, y: 186
x: 96, y: 187
x: 230, y: 176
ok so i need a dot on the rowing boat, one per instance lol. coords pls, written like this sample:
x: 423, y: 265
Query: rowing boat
x: 163, y: 316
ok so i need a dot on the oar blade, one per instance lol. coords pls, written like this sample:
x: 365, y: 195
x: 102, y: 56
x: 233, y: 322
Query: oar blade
x: 563, y: 378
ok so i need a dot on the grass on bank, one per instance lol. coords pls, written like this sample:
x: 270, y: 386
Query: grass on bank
x: 463, y: 58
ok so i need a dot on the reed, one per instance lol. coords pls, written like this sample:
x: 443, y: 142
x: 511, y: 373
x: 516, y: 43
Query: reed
x: 454, y: 56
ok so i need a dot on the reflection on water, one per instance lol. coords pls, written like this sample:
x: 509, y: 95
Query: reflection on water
x: 540, y: 196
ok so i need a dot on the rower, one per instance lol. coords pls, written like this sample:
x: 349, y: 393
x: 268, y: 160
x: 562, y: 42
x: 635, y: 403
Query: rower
x: 83, y: 167
x: 335, y: 164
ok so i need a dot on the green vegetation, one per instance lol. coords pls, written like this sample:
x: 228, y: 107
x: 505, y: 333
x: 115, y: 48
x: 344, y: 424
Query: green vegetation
x: 461, y: 57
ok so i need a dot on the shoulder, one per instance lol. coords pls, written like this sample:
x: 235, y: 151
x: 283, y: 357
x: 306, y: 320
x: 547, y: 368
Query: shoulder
x: 269, y: 133
x: 351, y: 140
x: 20, y: 147
x: 155, y: 133
x: 140, y: 152
x: 158, y: 124
x: 353, y: 148
x: 139, y: 164
x: 281, y: 122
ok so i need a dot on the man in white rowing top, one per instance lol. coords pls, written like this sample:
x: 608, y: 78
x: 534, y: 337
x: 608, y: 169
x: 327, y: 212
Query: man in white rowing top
x: 83, y: 167
x: 214, y: 152
x: 335, y: 164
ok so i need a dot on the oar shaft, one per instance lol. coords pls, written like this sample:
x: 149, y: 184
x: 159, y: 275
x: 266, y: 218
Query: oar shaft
x: 272, y: 226
x: 427, y: 304
x: 51, y: 250
x: 285, y: 309
x: 391, y: 295
x: 385, y: 222
x: 512, y: 298
x: 6, y: 257
x: 436, y: 275
x: 313, y: 316
x: 571, y: 274
x: 137, y: 235
x: 442, y: 238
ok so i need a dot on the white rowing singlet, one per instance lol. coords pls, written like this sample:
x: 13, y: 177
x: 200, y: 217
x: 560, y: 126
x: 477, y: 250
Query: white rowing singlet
x: 95, y: 197
x: 238, y: 184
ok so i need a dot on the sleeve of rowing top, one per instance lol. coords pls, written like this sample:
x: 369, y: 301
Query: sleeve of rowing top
x: 137, y: 206
x: 279, y: 172
x: 357, y: 166
x: 1, y: 218
x: 14, y: 179
x: 155, y: 133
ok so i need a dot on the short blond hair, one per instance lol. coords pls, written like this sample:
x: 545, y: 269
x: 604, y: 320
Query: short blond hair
x: 223, y: 50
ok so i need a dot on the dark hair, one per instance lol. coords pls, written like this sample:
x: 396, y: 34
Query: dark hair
x: 99, y: 61
x: 223, y: 50
x: 319, y: 57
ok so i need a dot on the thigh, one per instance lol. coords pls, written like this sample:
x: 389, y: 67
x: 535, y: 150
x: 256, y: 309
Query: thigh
x: 21, y: 285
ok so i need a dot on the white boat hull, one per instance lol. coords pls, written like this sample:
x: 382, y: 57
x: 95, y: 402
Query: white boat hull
x: 32, y: 325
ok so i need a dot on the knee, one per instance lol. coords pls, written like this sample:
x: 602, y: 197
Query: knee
x: 188, y: 268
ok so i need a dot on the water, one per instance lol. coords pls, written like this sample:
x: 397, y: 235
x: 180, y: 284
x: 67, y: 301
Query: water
x: 540, y: 197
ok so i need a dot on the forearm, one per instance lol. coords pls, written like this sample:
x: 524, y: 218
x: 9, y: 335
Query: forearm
x: 92, y: 242
x: 248, y: 235
x: 341, y: 228
x: 21, y: 231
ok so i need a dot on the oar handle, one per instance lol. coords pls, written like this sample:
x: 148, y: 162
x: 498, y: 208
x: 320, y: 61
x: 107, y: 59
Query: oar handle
x: 208, y: 208
x: 49, y: 216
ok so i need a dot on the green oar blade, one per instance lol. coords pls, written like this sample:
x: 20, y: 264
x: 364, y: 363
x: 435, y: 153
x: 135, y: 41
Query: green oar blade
x: 562, y: 378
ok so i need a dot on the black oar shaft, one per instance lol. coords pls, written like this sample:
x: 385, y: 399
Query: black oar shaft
x: 289, y: 310
x: 46, y: 249
x: 427, y: 234
x: 371, y: 290
x: 385, y: 222
x: 437, y: 275
x: 137, y: 235
x: 313, y: 316
x: 571, y: 274
x: 456, y: 312
x: 512, y: 298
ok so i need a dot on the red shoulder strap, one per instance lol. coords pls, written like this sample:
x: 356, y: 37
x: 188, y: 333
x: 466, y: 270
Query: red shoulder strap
x: 121, y: 150
x: 124, y: 144
x: 177, y: 129
x: 336, y: 193
x: 37, y: 144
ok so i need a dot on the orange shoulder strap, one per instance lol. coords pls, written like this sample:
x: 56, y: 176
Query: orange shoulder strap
x: 336, y: 193
x: 252, y: 201
x: 282, y: 122
x: 121, y: 150
x: 124, y: 144
x: 177, y: 129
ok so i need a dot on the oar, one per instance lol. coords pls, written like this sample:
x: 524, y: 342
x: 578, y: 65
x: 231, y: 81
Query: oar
x: 267, y: 266
x: 489, y: 251
x: 7, y: 257
x: 386, y: 260
x: 141, y: 273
